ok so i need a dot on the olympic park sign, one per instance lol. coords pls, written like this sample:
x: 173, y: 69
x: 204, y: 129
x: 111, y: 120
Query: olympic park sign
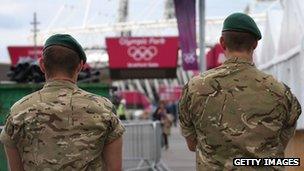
x: 142, y: 57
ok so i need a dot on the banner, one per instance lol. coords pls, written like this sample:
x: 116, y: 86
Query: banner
x: 22, y: 52
x: 185, y: 15
x: 142, y: 52
x: 169, y: 93
x: 215, y: 57
x: 135, y: 99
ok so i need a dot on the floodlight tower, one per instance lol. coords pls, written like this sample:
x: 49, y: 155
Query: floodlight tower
x: 123, y: 11
x: 169, y: 10
x: 35, y: 30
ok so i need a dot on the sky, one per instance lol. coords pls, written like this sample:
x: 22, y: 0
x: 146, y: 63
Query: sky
x: 16, y: 15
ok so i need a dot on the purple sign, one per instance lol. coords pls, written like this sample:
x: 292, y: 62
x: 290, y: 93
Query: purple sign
x: 185, y: 14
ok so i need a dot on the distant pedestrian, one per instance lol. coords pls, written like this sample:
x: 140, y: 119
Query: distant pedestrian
x: 161, y: 114
x: 172, y: 109
x: 62, y: 127
x: 236, y: 110
x: 145, y: 115
x: 121, y: 110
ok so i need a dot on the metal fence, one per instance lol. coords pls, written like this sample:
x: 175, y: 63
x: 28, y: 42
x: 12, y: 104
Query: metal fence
x: 142, y: 146
x: 142, y: 143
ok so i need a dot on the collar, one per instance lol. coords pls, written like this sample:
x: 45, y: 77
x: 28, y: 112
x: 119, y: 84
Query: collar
x: 237, y: 60
x: 60, y: 83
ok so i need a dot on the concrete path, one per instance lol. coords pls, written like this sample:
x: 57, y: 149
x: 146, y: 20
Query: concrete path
x: 178, y: 157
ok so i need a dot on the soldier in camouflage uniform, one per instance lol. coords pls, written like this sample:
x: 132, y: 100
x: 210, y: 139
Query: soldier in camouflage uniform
x: 236, y: 110
x: 62, y: 127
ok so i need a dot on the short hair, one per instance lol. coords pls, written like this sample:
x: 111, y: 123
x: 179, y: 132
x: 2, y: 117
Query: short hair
x: 59, y: 59
x: 239, y: 41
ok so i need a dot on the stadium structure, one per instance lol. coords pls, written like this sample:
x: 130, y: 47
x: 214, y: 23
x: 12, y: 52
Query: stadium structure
x: 278, y: 53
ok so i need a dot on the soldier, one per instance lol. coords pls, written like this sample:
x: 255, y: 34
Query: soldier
x: 62, y: 127
x: 236, y: 110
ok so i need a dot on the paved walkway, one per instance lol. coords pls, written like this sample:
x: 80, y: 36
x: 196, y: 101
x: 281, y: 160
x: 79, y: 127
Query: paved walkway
x: 178, y: 157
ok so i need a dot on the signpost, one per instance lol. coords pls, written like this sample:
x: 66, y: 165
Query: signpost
x: 142, y: 57
x: 18, y: 53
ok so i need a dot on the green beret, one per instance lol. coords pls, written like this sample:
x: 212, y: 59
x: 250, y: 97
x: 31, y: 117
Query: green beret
x: 242, y: 23
x: 67, y: 41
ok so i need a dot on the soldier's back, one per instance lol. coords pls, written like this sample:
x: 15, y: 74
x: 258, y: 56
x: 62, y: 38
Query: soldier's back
x: 239, y: 111
x: 62, y: 127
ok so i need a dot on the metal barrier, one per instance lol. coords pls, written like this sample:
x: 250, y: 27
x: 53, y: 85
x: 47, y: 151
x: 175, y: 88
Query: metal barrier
x: 142, y: 146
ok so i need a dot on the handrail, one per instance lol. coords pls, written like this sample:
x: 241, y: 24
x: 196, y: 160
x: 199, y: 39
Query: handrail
x: 279, y: 59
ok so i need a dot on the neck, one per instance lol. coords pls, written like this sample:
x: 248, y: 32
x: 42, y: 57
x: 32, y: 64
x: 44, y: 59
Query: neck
x: 62, y: 78
x: 244, y: 55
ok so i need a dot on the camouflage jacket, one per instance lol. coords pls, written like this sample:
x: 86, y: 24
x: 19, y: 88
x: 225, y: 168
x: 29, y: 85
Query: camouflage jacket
x: 236, y: 110
x: 61, y: 127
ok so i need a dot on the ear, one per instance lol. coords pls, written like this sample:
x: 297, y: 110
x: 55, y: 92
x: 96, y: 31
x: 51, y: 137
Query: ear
x: 80, y: 66
x: 255, y: 45
x: 222, y: 42
x: 41, y: 65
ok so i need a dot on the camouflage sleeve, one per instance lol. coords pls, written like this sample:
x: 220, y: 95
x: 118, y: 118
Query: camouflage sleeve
x: 294, y: 111
x: 186, y: 124
x: 116, y: 128
x: 10, y: 133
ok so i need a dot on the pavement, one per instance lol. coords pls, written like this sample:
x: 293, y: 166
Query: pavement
x: 178, y: 157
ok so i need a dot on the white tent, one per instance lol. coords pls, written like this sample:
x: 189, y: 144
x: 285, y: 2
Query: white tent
x: 270, y: 41
x: 282, y: 52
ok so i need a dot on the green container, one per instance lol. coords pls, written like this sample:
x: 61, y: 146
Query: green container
x: 10, y: 93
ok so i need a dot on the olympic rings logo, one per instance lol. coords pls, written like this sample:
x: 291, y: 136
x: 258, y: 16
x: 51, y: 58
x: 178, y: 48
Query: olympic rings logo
x: 142, y: 52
